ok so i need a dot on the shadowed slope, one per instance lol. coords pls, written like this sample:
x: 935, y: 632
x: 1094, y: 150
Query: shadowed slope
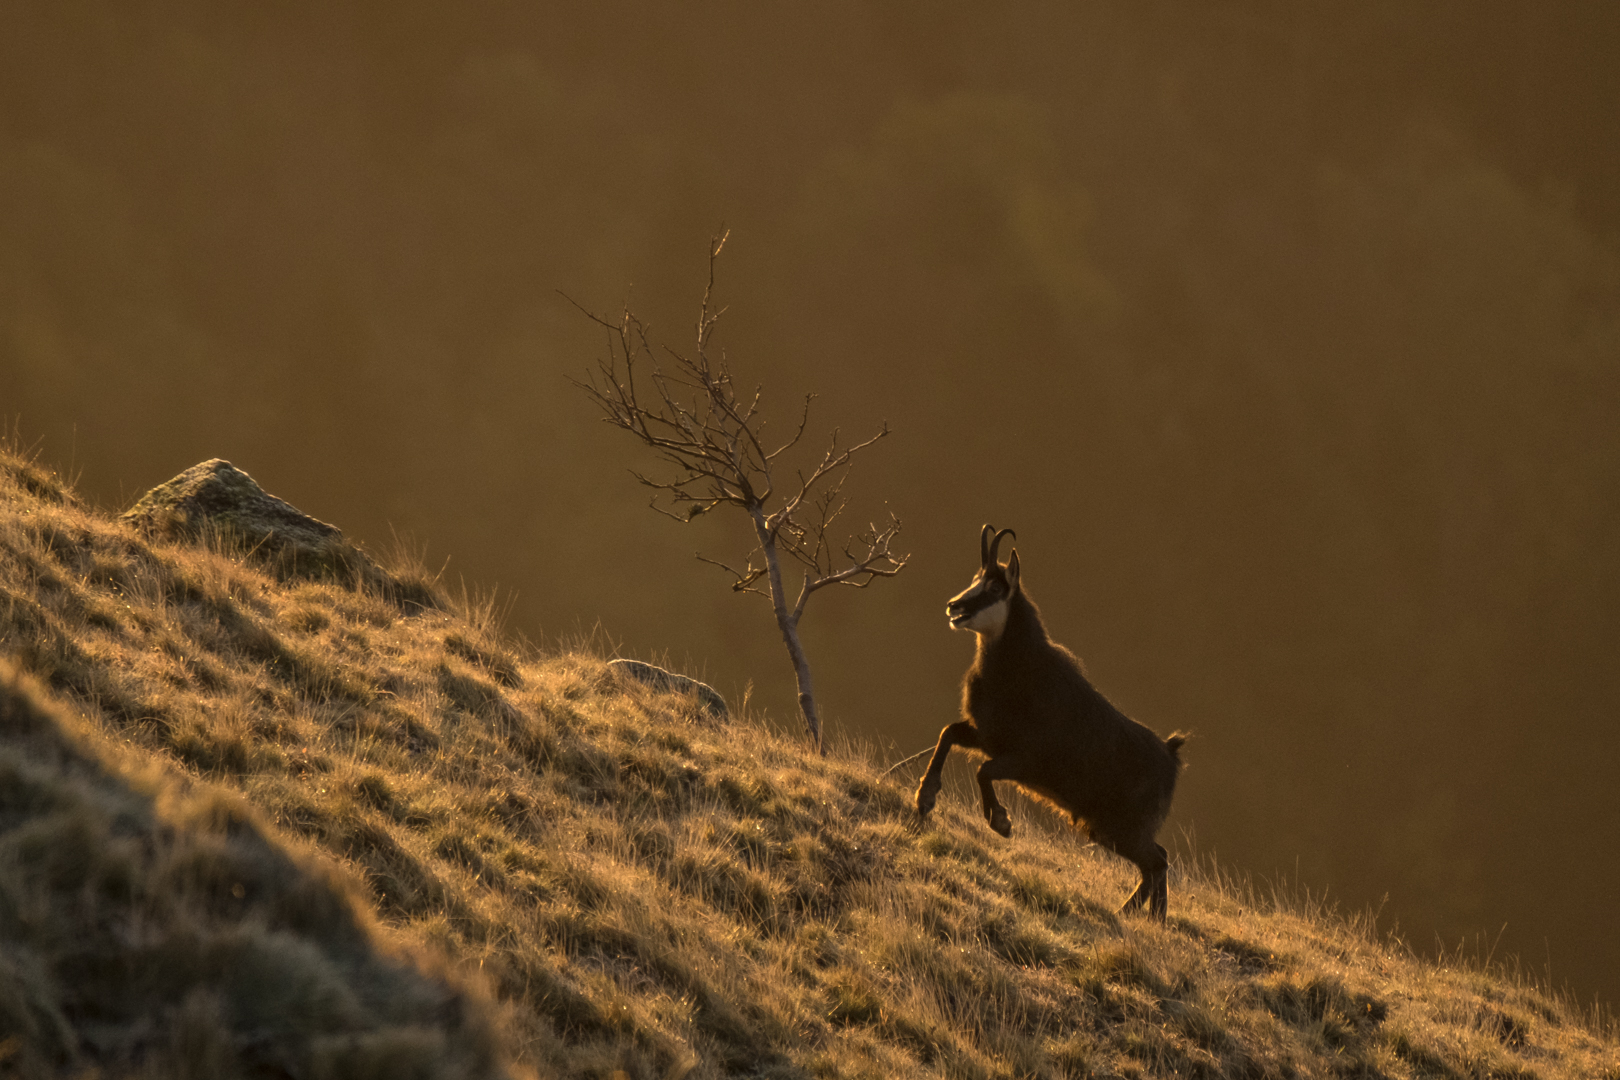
x: 149, y: 925
x: 649, y: 893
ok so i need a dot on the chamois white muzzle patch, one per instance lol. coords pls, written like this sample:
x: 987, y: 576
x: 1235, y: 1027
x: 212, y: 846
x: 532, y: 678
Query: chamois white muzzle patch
x: 980, y: 609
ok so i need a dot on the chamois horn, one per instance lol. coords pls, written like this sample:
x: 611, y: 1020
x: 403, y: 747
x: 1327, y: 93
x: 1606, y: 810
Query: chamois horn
x: 988, y: 546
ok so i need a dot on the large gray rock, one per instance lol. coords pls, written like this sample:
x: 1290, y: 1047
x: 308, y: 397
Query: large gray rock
x: 660, y: 679
x: 215, y: 497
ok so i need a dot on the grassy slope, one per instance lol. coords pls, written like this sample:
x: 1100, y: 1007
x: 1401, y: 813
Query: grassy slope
x: 642, y: 892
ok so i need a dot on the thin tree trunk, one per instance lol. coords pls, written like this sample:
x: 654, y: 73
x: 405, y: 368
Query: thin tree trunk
x: 789, y: 625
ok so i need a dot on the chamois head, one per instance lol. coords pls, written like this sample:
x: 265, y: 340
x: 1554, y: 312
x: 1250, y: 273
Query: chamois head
x: 982, y: 606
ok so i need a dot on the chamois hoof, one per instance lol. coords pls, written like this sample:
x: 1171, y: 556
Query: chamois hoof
x: 1151, y: 910
x: 925, y: 804
x: 1000, y: 822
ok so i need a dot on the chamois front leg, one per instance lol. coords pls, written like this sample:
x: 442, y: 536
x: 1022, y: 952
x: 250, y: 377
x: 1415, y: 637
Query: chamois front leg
x: 961, y: 733
x: 998, y: 768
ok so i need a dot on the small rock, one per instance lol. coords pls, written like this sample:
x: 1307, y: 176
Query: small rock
x: 660, y: 679
x: 217, y: 496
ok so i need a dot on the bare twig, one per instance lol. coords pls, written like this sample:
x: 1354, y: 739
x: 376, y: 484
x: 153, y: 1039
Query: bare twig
x: 924, y: 752
x: 745, y: 578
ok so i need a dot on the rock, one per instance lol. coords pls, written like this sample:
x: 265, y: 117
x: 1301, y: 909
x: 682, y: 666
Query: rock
x: 659, y: 679
x: 215, y: 497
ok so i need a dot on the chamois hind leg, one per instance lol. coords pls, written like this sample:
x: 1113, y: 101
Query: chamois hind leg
x: 998, y: 768
x: 1154, y: 891
x: 960, y: 733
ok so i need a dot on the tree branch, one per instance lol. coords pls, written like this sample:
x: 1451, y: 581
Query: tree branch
x: 745, y: 578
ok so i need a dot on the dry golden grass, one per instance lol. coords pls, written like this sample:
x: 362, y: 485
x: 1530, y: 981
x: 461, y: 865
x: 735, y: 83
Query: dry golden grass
x: 605, y: 881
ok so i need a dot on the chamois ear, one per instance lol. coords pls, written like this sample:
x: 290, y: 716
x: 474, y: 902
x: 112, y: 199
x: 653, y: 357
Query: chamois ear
x: 1012, y: 572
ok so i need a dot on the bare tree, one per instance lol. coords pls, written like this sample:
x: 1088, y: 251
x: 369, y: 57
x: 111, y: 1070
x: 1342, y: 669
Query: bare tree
x: 690, y: 413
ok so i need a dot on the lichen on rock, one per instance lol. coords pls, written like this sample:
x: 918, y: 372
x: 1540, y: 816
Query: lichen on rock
x: 215, y: 499
x: 660, y: 679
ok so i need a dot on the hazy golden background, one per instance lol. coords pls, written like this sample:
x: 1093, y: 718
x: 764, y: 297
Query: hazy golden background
x: 1287, y: 337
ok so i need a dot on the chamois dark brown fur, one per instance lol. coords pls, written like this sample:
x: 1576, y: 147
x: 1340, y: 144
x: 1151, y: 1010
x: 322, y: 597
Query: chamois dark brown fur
x: 1030, y: 709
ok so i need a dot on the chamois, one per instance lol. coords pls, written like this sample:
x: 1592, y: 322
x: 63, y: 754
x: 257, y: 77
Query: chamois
x: 1030, y: 709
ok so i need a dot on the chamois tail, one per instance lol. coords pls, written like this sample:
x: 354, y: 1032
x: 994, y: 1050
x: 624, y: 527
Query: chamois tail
x: 1173, y: 744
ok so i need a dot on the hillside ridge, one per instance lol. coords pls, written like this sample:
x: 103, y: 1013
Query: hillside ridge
x: 568, y: 873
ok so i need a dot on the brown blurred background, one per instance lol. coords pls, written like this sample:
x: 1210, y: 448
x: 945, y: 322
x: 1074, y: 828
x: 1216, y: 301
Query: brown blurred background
x: 1287, y: 337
